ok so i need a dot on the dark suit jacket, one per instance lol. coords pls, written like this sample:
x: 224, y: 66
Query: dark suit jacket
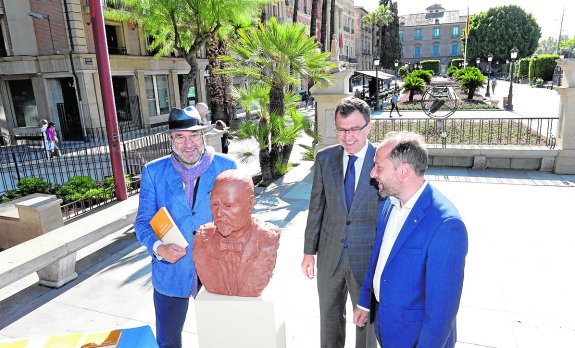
x: 421, y: 284
x: 329, y: 222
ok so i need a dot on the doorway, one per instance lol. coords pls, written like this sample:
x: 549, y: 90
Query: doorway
x: 68, y: 112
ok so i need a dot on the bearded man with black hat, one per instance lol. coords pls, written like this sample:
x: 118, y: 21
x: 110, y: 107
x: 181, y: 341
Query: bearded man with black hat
x: 181, y: 182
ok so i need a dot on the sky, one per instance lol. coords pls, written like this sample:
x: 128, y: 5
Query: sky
x: 546, y: 12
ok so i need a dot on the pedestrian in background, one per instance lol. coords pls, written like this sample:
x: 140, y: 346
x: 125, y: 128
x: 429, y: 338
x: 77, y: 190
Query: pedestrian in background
x: 493, y: 84
x: 181, y: 182
x: 394, y: 101
x: 204, y: 111
x: 45, y: 141
x: 415, y: 277
x: 221, y: 126
x: 52, y: 148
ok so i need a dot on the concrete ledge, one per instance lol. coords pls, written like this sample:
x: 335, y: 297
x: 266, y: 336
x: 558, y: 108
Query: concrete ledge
x: 498, y: 157
x: 40, y: 253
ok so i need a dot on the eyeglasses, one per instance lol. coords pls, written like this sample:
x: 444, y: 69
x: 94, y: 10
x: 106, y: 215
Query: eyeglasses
x: 181, y: 139
x: 353, y: 131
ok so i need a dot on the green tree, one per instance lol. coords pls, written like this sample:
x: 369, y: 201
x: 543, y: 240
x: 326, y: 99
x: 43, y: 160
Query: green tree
x: 499, y: 29
x: 377, y: 19
x: 547, y: 46
x: 425, y: 75
x: 569, y: 44
x: 183, y: 27
x: 470, y: 78
x: 413, y: 84
x: 274, y: 56
x: 390, y: 46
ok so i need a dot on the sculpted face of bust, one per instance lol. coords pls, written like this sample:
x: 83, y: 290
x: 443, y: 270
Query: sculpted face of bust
x: 232, y: 201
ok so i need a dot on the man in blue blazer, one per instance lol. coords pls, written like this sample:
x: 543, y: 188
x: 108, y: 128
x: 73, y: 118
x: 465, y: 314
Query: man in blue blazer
x: 182, y: 183
x: 415, y: 277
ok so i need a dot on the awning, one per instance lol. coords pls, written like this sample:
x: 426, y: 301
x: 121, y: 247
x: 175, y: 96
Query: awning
x: 380, y: 75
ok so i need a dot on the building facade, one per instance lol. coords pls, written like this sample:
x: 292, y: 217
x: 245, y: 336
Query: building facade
x: 363, y: 41
x: 435, y: 34
x: 48, y: 70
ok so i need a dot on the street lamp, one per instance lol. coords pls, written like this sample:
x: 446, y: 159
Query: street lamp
x: 477, y: 61
x: 396, y: 63
x: 377, y: 107
x: 534, y: 69
x: 46, y: 17
x: 513, y: 52
x: 489, y: 59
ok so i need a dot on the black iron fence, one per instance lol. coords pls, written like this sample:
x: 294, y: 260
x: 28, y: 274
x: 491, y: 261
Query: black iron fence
x: 472, y: 131
x: 25, y: 155
x: 82, y: 206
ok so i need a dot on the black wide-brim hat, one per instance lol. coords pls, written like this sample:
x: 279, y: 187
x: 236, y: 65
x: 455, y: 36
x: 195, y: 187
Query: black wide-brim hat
x: 186, y: 119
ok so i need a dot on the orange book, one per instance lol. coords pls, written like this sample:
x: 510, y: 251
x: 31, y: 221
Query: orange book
x: 166, y: 229
x: 107, y: 339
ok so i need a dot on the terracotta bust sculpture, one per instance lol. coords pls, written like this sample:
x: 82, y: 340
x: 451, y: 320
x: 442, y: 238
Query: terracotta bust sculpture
x: 235, y: 254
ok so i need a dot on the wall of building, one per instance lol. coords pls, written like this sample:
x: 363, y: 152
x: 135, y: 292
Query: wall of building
x: 21, y: 27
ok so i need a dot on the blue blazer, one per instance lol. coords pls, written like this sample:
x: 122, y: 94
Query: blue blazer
x: 162, y: 187
x: 421, y: 284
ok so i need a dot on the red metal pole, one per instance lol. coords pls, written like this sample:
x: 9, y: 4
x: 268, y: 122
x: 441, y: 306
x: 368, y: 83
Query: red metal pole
x: 103, y: 61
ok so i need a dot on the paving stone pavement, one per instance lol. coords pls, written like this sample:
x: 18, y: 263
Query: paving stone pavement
x: 517, y: 292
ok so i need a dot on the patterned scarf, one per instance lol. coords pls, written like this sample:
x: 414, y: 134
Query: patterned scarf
x: 189, y: 175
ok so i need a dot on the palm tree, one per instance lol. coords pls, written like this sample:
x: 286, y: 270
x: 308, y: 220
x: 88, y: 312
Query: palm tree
x: 331, y: 23
x: 271, y: 128
x: 295, y: 9
x: 221, y: 101
x: 312, y: 26
x: 378, y: 18
x: 274, y: 56
x: 470, y: 78
x: 324, y: 38
x: 413, y: 84
x: 174, y: 26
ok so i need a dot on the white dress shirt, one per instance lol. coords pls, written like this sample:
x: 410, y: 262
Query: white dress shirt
x: 358, y: 165
x: 396, y: 219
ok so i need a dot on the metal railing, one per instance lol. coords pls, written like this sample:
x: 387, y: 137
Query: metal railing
x: 473, y: 131
x: 25, y: 155
x: 82, y: 206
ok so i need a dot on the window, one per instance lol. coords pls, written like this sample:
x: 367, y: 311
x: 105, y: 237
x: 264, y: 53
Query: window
x: 417, y: 52
x: 436, y: 33
x: 455, y: 32
x: 24, y: 103
x: 418, y: 34
x: 455, y: 50
x: 157, y: 94
x: 401, y: 35
x: 436, y: 50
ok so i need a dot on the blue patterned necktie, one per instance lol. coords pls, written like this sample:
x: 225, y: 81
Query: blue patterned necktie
x: 349, y: 181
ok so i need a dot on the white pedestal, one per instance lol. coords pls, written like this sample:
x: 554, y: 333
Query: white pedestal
x: 232, y: 321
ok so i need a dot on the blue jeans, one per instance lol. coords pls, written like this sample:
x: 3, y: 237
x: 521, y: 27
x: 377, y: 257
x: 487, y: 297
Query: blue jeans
x: 170, y: 317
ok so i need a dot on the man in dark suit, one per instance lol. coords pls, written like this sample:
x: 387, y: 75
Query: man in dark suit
x: 341, y: 222
x: 415, y: 275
